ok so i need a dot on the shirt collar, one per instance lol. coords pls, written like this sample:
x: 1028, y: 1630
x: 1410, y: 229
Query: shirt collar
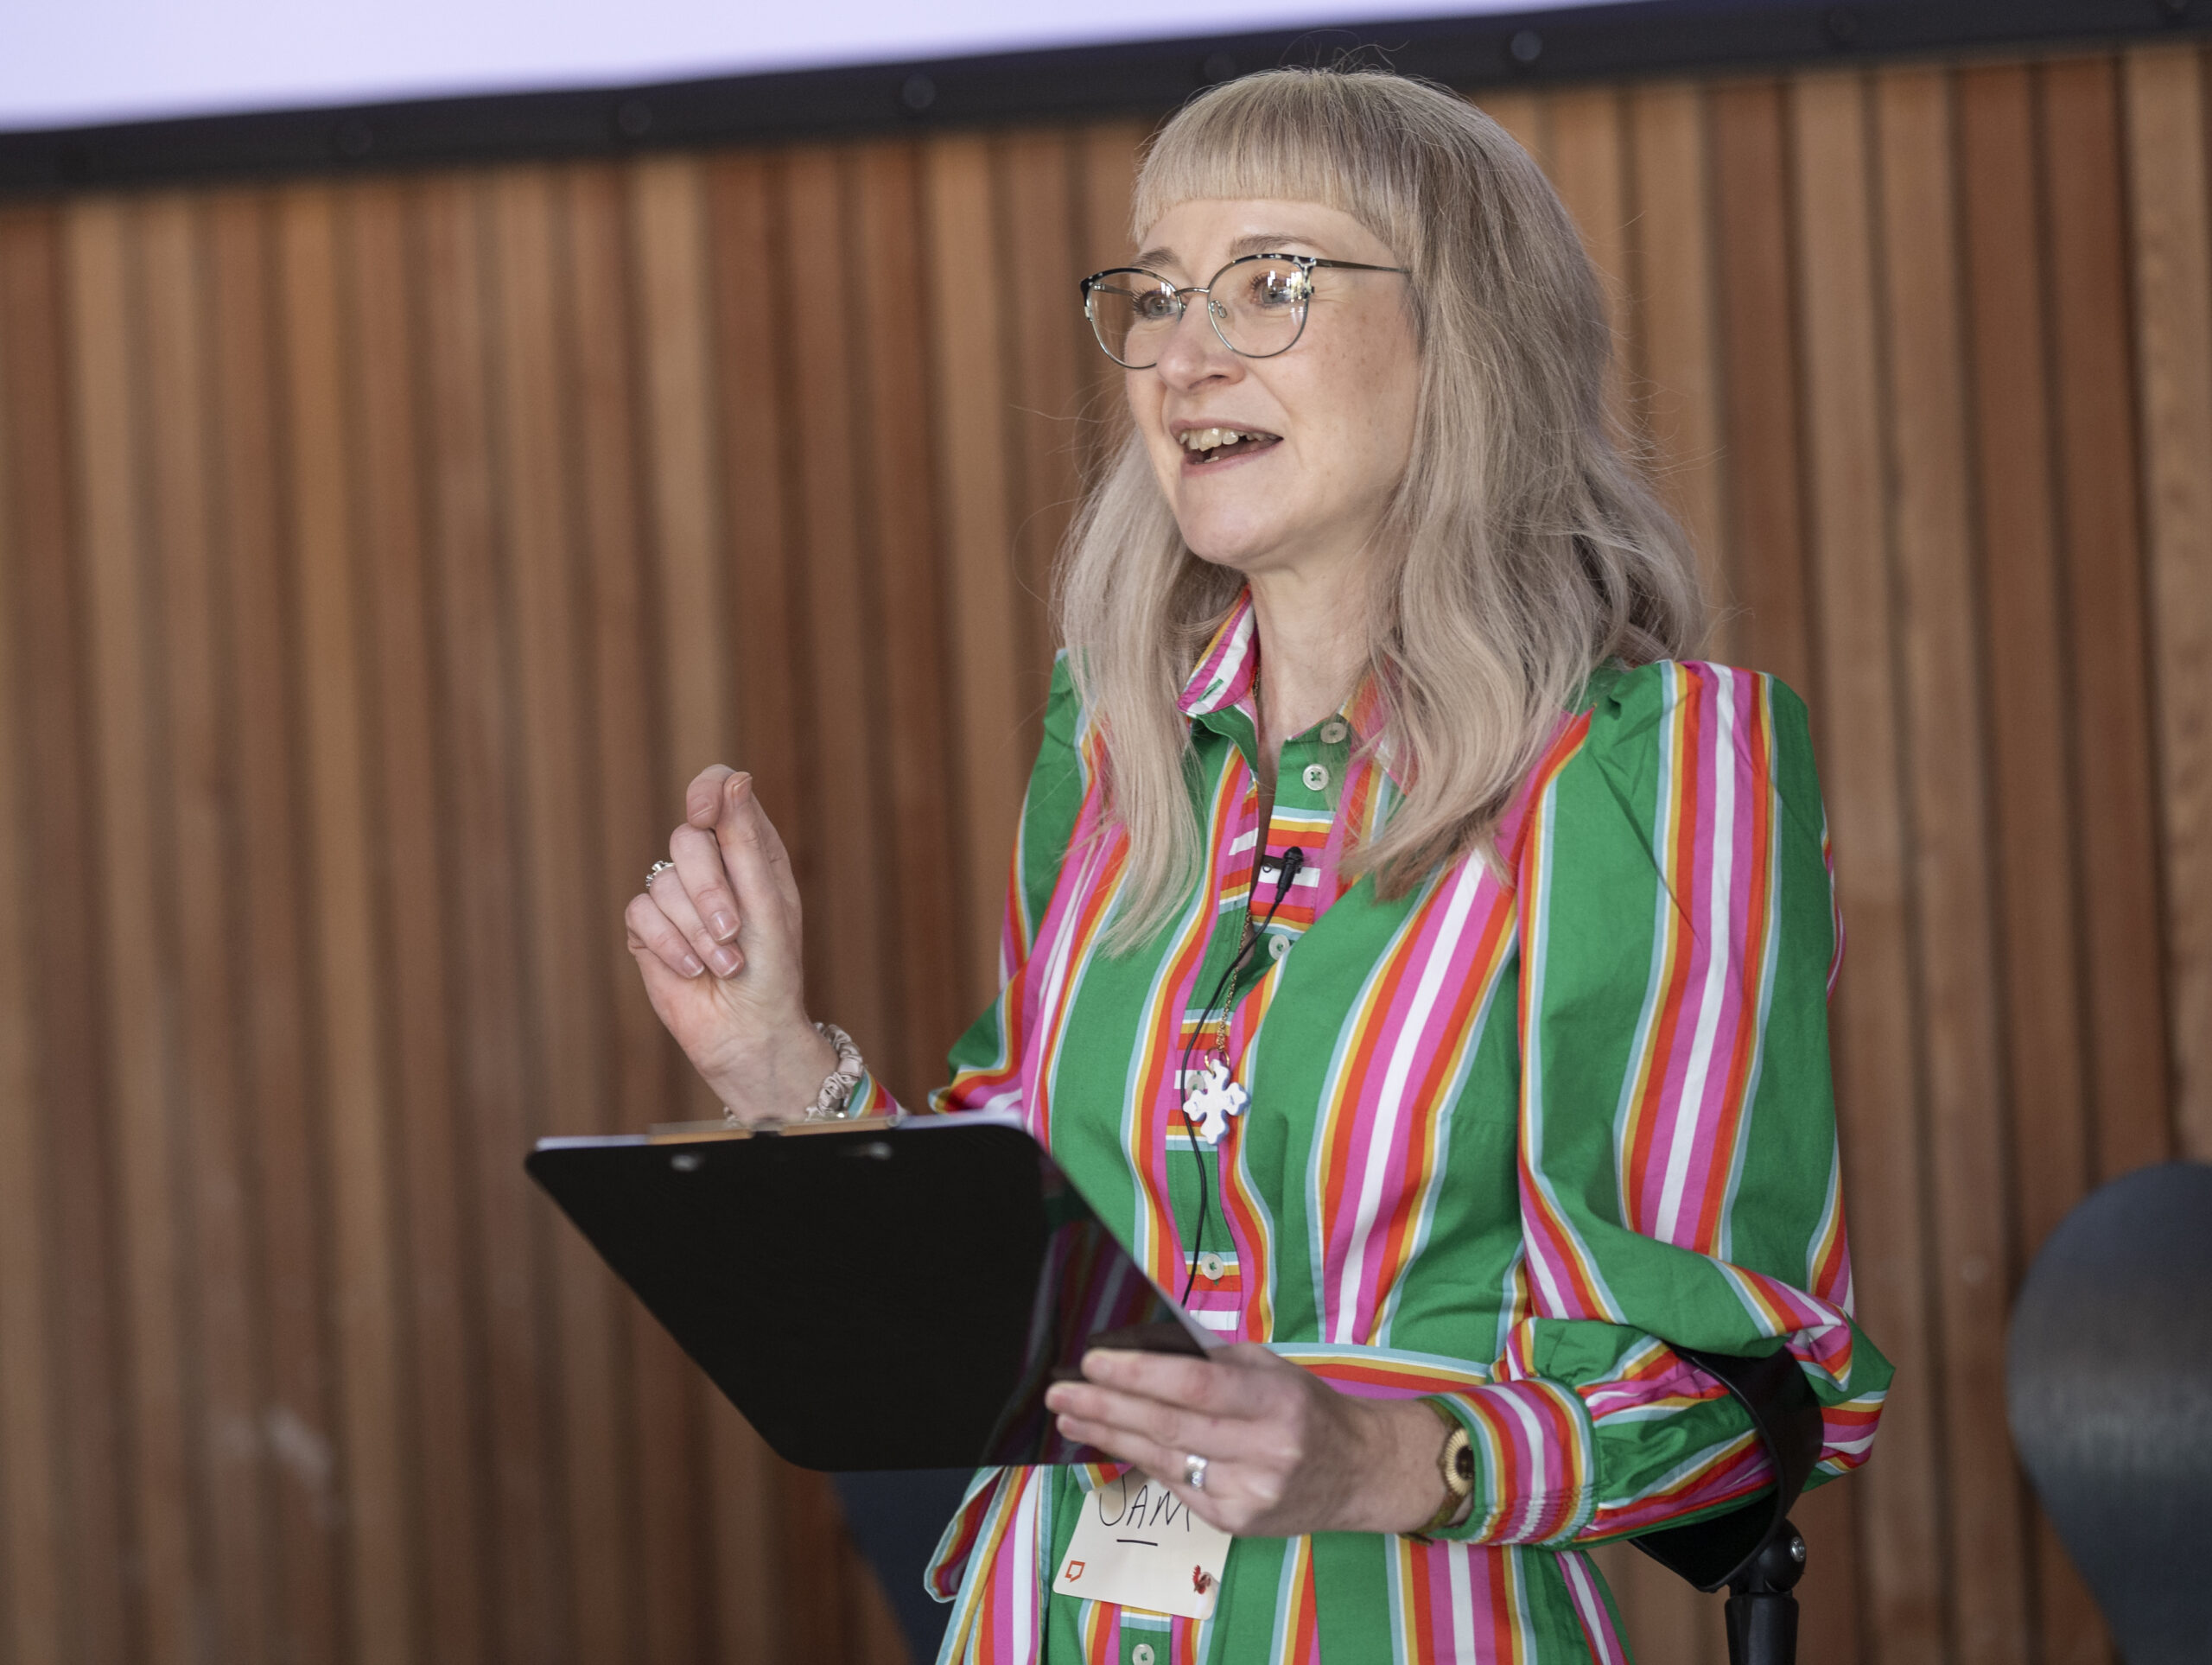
x: 1230, y: 664
x: 1226, y: 669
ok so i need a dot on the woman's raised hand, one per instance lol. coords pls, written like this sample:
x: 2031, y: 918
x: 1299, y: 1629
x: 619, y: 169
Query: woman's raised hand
x: 717, y: 939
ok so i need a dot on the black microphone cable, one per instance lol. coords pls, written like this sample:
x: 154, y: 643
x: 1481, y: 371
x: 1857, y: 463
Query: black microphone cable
x: 1293, y: 860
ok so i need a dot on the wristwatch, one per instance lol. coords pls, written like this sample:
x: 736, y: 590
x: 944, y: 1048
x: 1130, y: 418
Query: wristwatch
x: 1456, y: 1464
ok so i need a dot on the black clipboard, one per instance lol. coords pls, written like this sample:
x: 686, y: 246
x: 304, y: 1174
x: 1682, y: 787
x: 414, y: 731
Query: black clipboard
x: 882, y: 1295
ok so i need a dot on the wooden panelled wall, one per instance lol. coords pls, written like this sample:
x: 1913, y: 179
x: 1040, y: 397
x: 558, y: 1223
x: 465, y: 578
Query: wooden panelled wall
x: 378, y: 558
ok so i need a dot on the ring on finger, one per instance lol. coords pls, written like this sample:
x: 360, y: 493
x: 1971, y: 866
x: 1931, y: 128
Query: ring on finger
x: 655, y: 872
x: 1194, y: 1472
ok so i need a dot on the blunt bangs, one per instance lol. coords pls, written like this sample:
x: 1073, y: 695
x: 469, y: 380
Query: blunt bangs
x: 1293, y: 135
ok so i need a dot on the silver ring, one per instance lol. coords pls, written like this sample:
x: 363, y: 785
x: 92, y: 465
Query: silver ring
x: 1194, y: 1472
x: 655, y: 872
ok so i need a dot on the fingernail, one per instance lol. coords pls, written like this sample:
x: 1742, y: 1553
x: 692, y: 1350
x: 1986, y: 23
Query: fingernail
x: 691, y: 966
x: 725, y: 963
x: 724, y: 925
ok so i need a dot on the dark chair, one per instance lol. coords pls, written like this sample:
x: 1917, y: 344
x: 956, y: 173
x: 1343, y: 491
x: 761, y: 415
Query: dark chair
x: 2109, y: 1384
x: 895, y: 1518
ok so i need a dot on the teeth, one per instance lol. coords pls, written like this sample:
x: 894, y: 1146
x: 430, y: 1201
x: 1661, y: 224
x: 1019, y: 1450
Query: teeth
x: 1208, y: 439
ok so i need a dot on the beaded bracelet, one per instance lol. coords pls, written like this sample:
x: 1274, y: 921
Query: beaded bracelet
x: 835, y: 1102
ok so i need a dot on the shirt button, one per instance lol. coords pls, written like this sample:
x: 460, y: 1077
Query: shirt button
x: 1316, y: 777
x: 1210, y: 1267
x: 1278, y: 945
x: 1332, y: 732
x: 1141, y: 1654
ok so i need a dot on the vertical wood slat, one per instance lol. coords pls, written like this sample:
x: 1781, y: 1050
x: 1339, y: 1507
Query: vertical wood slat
x: 1034, y: 210
x: 1952, y: 950
x: 474, y: 650
x: 1588, y: 167
x: 352, y: 1093
x: 2098, y: 471
x: 1677, y: 360
x: 980, y: 610
x: 2024, y: 602
x: 100, y: 1615
x: 2166, y: 105
x: 444, y: 1400
x: 1901, y: 1501
x: 668, y: 255
x: 832, y: 422
x: 110, y: 509
x: 561, y: 943
x: 917, y: 823
x: 1755, y: 294
x: 33, y: 1554
x: 219, y: 1289
x: 294, y: 1431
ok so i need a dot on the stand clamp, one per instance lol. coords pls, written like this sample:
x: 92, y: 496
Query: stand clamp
x: 1753, y: 1550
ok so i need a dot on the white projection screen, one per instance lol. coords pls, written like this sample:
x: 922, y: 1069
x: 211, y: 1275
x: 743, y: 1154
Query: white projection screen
x: 92, y: 62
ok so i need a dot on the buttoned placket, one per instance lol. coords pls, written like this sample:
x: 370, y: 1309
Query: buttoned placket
x: 1310, y: 775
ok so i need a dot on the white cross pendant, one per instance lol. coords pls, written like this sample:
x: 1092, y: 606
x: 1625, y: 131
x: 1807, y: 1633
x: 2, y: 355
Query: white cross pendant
x: 1216, y: 1101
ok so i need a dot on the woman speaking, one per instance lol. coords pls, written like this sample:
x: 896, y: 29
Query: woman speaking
x: 1418, y: 963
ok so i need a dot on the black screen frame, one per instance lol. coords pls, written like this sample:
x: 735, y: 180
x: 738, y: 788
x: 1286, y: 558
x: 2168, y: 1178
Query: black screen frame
x: 1070, y: 83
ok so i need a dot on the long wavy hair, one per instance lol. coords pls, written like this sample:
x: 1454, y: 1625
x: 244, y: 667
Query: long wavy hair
x: 1523, y: 547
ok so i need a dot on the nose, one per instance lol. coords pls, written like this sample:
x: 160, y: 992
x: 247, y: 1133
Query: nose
x: 1194, y: 352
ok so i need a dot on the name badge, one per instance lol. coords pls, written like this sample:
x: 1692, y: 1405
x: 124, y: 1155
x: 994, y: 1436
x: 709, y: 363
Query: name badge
x: 1135, y: 1545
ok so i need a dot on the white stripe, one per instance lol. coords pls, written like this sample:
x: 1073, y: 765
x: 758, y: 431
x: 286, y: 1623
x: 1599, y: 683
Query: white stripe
x: 1597, y: 1623
x: 1532, y: 1088
x: 1725, y: 1245
x: 1390, y: 1101
x: 1240, y: 642
x: 1462, y: 1582
x: 1535, y: 1430
x: 1025, y: 1549
x: 1718, y: 957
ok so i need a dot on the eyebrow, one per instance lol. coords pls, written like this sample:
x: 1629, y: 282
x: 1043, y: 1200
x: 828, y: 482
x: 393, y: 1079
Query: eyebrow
x: 1256, y: 242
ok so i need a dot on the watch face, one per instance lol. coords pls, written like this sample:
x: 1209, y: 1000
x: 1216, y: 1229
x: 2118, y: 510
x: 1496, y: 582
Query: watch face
x: 1462, y: 1464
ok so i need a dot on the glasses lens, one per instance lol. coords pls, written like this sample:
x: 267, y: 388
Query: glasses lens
x: 1132, y: 313
x: 1259, y: 305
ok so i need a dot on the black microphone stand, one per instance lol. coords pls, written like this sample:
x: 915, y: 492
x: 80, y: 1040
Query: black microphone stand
x: 1762, y: 1614
x: 1753, y: 1550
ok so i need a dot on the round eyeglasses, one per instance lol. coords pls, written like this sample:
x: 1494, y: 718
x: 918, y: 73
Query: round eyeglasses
x: 1256, y: 304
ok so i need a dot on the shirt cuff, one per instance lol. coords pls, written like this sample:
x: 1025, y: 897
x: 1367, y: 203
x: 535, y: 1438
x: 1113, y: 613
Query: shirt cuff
x: 1534, y: 1463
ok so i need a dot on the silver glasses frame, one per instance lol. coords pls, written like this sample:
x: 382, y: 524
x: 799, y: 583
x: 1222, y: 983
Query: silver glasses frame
x: 1307, y: 264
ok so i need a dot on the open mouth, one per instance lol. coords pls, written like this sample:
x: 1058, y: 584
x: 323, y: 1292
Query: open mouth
x: 1203, y: 445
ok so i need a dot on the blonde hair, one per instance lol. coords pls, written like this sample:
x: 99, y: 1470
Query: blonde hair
x: 1524, y: 548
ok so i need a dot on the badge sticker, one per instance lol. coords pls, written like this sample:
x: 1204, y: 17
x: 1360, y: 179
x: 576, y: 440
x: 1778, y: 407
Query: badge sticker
x: 1137, y: 1545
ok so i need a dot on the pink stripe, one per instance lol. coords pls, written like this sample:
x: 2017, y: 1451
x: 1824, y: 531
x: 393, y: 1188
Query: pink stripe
x: 1435, y: 939
x: 1605, y: 1644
